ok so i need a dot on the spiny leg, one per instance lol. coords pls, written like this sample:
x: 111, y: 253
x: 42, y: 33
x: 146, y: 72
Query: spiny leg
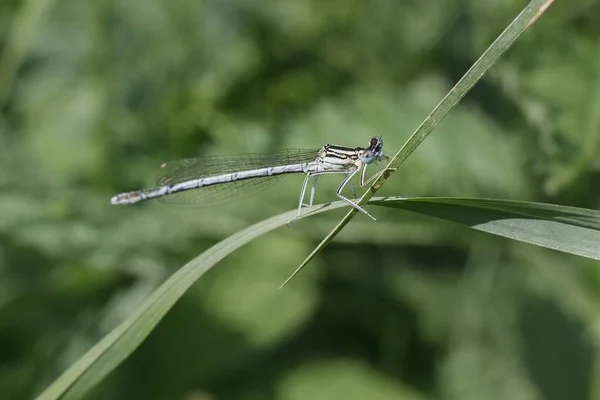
x: 314, y: 175
x: 371, y: 179
x: 302, y: 194
x: 313, y: 190
x: 352, y: 188
x: 339, y: 194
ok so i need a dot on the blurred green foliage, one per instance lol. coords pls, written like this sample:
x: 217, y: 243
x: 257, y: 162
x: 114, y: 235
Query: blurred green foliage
x: 94, y: 95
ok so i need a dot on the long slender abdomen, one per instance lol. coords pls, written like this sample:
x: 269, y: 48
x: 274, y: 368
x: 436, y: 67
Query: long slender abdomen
x: 191, y: 184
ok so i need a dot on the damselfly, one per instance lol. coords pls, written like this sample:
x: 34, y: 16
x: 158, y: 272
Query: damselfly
x: 216, y: 179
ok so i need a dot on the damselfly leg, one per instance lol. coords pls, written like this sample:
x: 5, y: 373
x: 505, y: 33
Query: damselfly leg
x: 315, y: 176
x: 347, y: 181
x: 347, y: 200
x: 313, y: 190
x: 371, y: 179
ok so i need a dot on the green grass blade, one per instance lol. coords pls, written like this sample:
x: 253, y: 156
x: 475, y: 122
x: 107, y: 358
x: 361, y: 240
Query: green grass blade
x: 568, y: 229
x: 526, y: 18
x: 115, y: 347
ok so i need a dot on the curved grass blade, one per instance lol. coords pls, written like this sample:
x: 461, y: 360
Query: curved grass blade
x: 526, y: 18
x: 568, y: 229
x: 116, y: 346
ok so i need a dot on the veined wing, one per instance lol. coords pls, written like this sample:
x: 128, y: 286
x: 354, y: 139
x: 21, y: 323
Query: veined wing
x: 194, y: 168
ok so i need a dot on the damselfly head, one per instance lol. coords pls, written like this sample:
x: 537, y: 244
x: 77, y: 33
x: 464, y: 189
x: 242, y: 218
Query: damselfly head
x: 374, y: 152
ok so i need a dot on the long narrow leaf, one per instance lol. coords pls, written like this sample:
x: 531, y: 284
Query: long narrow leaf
x: 115, y: 347
x: 526, y: 18
x: 569, y: 229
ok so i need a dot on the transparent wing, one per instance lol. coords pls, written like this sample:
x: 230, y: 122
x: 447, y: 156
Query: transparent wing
x: 193, y: 168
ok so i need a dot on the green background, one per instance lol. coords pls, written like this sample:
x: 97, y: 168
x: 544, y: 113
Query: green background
x: 95, y: 95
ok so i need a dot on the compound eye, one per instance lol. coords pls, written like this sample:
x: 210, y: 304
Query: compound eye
x: 376, y: 144
x: 367, y: 156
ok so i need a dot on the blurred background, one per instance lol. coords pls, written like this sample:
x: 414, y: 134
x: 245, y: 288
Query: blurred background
x: 95, y: 95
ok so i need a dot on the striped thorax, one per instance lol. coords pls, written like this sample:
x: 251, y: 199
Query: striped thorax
x: 335, y: 157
